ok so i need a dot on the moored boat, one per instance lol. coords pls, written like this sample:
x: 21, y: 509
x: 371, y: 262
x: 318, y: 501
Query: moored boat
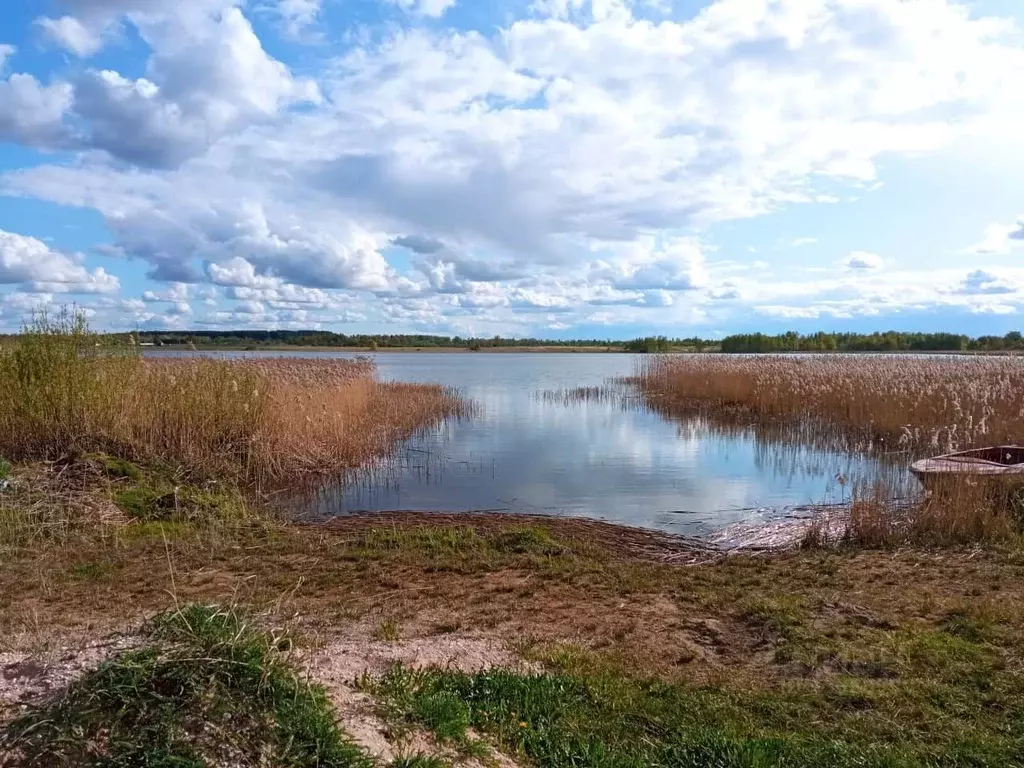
x: 997, y: 463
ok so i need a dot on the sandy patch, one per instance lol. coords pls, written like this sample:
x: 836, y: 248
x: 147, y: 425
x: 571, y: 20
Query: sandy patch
x: 27, y: 678
x: 338, y: 664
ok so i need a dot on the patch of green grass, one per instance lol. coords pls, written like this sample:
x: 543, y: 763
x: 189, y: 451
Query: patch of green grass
x: 444, y: 713
x: 419, y: 760
x: 165, y: 502
x: 93, y: 570
x: 5, y: 469
x: 973, y: 625
x: 206, y: 689
x: 117, y: 468
x: 159, y: 529
x: 779, y: 616
x: 459, y: 547
x: 527, y: 539
x: 436, y: 541
x: 610, y: 720
x: 143, y: 502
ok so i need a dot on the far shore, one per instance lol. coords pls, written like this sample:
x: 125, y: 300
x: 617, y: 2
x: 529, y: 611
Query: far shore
x: 563, y: 350
x: 372, y: 351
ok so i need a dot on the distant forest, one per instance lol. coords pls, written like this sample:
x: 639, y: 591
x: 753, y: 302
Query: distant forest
x: 889, y: 341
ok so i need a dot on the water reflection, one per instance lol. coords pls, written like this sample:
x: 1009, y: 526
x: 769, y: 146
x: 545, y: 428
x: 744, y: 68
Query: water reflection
x: 593, y: 454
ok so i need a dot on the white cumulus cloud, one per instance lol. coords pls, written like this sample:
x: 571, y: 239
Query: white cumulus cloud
x: 32, y: 263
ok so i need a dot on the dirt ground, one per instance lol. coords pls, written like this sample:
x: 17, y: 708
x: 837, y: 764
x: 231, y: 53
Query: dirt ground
x: 476, y: 591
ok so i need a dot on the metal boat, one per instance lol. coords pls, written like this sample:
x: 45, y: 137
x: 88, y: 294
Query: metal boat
x: 997, y: 463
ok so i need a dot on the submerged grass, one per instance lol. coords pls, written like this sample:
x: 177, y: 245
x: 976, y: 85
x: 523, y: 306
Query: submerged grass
x: 205, y: 688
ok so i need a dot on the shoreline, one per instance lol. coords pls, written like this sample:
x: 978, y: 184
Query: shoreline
x: 764, y: 643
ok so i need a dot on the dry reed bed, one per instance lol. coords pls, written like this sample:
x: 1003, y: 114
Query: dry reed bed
x: 267, y: 422
x: 909, y: 404
x: 897, y: 407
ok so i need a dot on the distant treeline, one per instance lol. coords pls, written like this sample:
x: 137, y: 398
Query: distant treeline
x: 329, y: 339
x: 889, y: 341
x: 665, y: 344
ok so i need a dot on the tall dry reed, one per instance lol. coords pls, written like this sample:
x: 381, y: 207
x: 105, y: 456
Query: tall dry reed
x: 887, y: 403
x: 266, y: 422
x: 891, y: 406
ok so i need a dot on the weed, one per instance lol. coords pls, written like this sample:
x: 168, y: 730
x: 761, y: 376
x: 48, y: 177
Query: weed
x: 388, y: 630
x: 419, y: 760
x: 5, y: 469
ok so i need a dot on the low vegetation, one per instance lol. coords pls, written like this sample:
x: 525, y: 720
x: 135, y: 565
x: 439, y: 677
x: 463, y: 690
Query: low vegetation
x: 130, y: 493
x: 560, y: 720
x: 205, y: 688
x: 847, y: 656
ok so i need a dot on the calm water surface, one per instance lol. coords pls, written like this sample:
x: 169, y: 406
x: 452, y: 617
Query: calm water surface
x: 525, y: 453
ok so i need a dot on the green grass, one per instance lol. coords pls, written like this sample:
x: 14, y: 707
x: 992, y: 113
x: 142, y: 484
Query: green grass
x: 561, y: 720
x: 5, y: 468
x: 419, y: 761
x: 154, y: 498
x: 93, y: 571
x: 205, y: 689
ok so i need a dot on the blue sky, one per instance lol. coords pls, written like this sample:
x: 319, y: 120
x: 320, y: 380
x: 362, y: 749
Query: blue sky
x: 556, y: 168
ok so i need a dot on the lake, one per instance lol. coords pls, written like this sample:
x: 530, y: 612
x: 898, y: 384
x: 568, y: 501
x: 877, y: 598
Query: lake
x: 523, y: 452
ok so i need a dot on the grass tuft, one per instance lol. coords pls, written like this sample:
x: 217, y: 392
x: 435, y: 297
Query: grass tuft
x: 419, y: 760
x: 206, y: 688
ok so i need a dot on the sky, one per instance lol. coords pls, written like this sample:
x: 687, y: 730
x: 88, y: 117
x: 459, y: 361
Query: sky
x: 543, y: 168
